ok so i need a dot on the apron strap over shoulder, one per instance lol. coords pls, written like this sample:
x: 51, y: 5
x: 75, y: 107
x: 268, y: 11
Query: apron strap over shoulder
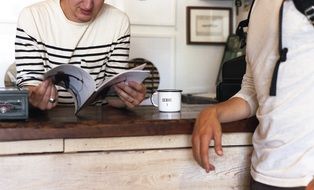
x: 306, y: 7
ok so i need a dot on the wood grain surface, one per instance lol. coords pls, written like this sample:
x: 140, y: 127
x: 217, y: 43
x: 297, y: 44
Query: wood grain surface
x: 105, y: 121
x: 172, y: 169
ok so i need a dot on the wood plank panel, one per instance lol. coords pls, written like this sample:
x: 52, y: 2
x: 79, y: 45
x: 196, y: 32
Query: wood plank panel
x: 100, y: 122
x: 147, y: 142
x: 32, y: 146
x: 141, y: 170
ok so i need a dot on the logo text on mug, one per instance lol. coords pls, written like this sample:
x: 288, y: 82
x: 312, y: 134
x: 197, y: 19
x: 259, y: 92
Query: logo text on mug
x: 166, y: 99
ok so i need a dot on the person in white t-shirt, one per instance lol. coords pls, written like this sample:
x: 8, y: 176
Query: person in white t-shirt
x: 86, y: 33
x: 283, y: 156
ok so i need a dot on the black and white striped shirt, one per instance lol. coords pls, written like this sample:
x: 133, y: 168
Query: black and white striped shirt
x: 45, y: 38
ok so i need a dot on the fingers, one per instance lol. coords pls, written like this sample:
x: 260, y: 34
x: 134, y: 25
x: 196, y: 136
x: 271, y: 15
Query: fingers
x: 200, y: 146
x: 52, y: 93
x: 206, y: 129
x: 41, y: 96
x: 218, y: 144
x: 138, y: 87
x: 136, y: 91
x: 37, y: 94
x: 132, y: 94
x: 204, y: 147
x: 196, y: 149
x: 196, y: 145
x: 128, y: 100
x: 46, y: 91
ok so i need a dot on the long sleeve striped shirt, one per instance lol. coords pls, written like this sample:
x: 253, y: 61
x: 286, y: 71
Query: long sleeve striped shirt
x: 45, y: 38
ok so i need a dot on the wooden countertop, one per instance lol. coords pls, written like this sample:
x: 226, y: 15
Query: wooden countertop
x: 105, y: 121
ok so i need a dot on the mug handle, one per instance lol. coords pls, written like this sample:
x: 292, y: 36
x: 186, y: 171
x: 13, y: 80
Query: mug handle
x: 152, y: 99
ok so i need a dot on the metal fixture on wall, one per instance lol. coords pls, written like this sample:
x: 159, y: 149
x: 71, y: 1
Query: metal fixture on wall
x: 242, y: 8
x: 238, y: 3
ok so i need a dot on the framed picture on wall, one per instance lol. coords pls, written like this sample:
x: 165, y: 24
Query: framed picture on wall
x: 208, y: 25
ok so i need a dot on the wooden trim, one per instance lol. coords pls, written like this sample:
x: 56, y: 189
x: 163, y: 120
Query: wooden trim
x: 105, y: 122
x: 32, y: 146
x: 148, y: 143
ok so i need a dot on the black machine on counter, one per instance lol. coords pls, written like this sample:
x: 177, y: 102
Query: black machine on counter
x: 232, y: 69
x: 13, y: 103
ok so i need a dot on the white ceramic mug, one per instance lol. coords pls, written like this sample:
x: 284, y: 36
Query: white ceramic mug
x: 169, y: 100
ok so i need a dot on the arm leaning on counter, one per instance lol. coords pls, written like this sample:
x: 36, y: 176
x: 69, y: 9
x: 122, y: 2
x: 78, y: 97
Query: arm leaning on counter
x: 278, y: 93
x: 208, y: 127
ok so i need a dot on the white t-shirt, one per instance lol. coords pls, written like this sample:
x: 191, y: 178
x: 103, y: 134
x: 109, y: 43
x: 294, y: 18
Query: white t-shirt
x: 284, y: 139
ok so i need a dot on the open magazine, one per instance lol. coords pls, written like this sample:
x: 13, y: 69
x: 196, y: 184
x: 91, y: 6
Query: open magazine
x: 83, y: 87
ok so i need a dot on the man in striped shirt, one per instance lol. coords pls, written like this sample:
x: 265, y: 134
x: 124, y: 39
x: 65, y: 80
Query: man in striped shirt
x: 89, y: 34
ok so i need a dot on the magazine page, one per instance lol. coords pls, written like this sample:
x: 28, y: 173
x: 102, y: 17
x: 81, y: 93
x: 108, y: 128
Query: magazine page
x: 128, y: 75
x: 77, y: 81
x: 136, y: 74
x: 140, y: 67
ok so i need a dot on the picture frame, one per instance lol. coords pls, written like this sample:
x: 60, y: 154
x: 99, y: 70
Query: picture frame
x: 208, y: 25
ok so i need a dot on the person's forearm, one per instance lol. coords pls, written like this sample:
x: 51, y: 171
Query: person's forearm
x: 310, y: 186
x: 232, y: 110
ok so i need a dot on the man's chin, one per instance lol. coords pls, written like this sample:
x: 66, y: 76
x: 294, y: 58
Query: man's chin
x: 85, y: 18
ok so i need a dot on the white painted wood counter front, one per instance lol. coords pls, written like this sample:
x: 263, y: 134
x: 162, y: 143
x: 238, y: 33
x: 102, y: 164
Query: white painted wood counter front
x: 151, y: 162
x: 135, y: 162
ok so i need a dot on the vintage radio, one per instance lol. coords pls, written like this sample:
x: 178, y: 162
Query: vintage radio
x: 13, y: 103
